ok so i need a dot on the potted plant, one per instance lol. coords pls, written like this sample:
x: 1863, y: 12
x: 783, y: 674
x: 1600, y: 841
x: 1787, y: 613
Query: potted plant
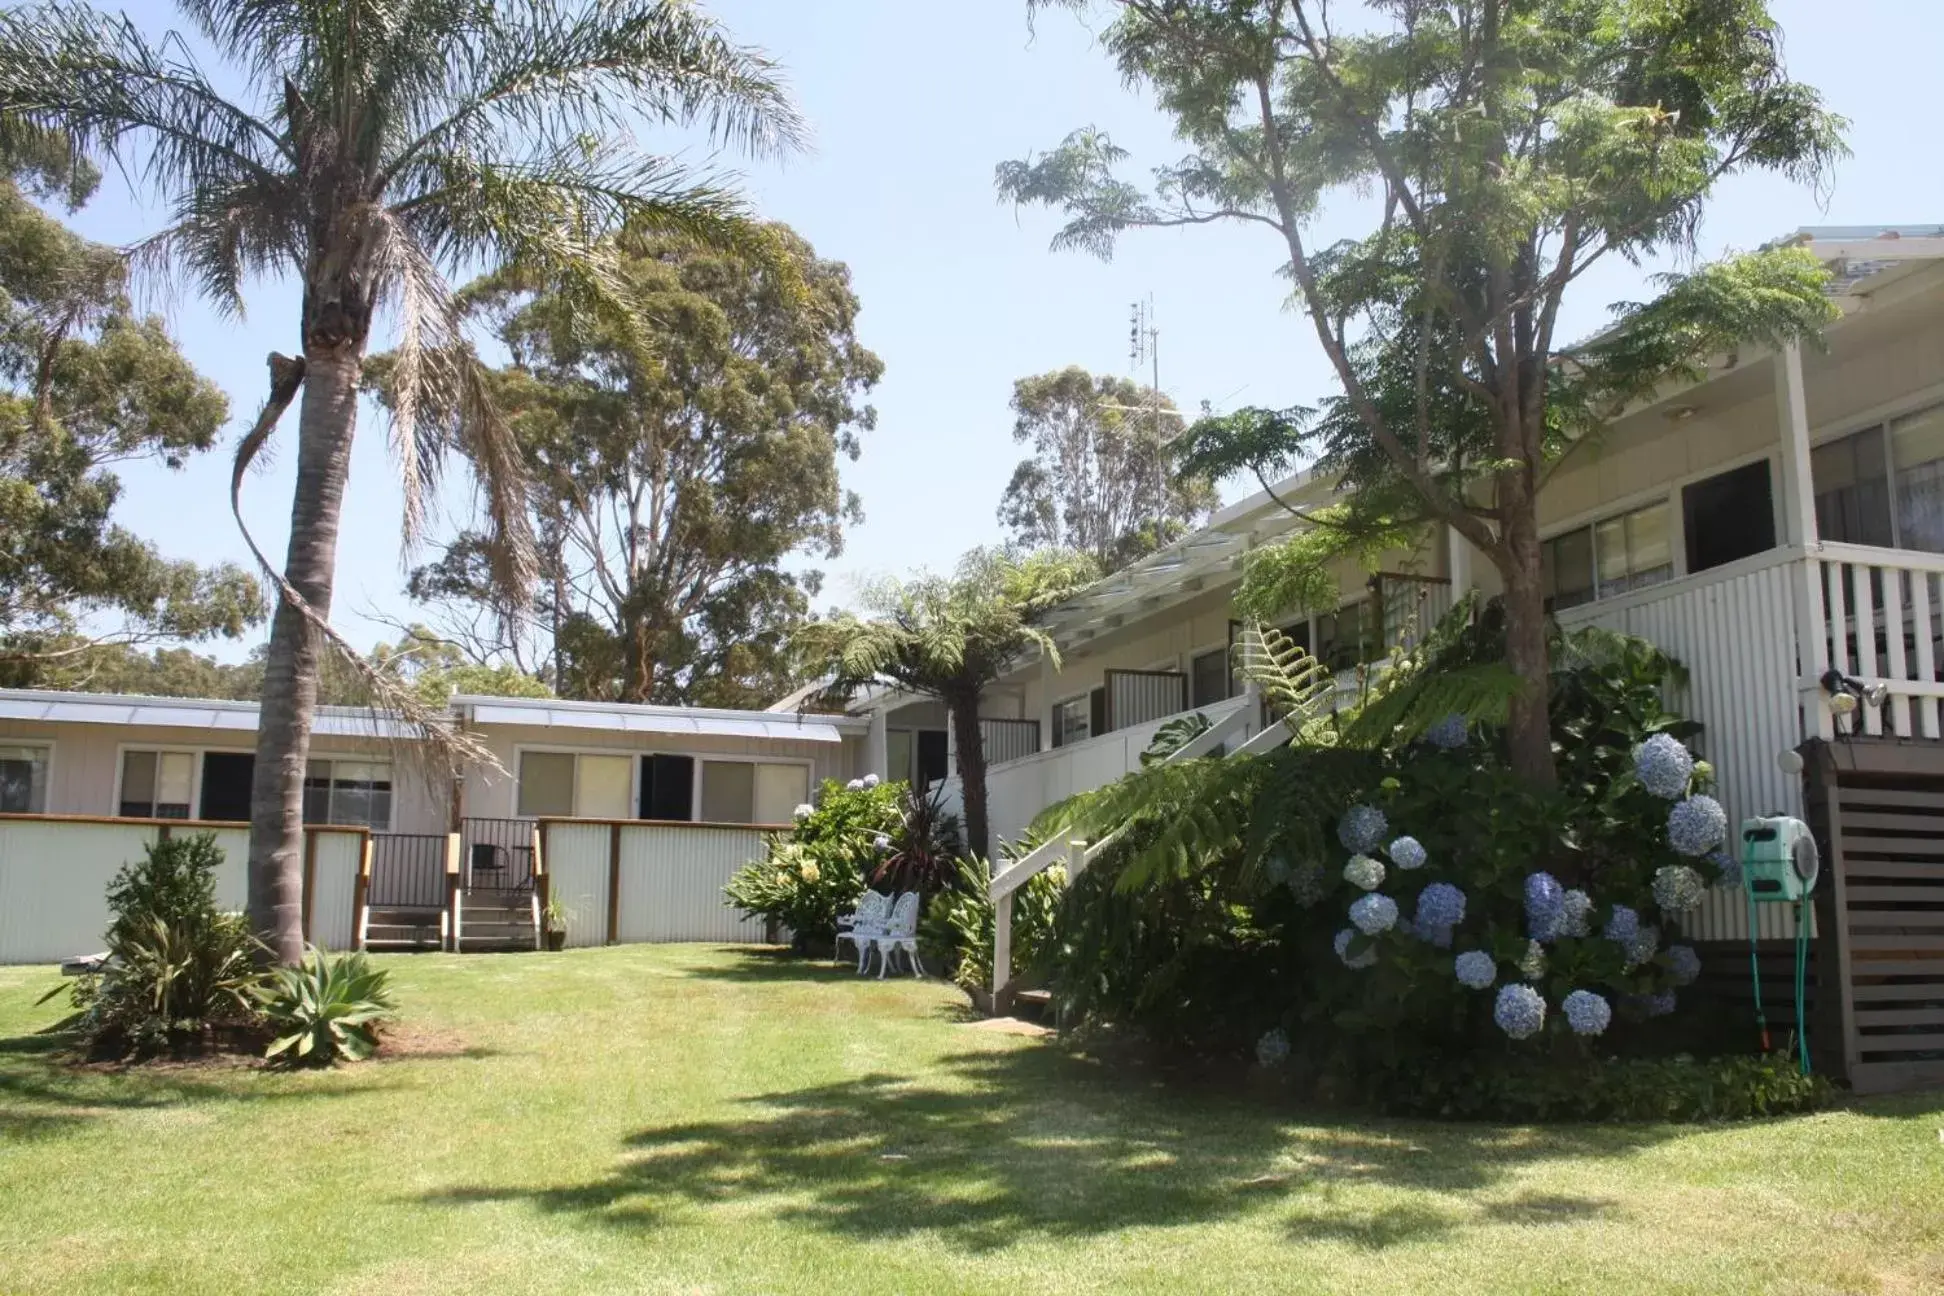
x: 554, y: 917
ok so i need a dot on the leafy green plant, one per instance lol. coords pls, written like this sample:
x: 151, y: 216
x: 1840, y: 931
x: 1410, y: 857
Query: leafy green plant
x: 957, y: 929
x: 816, y: 872
x: 327, y: 1009
x: 178, y: 970
x: 555, y: 915
x: 1681, y: 1088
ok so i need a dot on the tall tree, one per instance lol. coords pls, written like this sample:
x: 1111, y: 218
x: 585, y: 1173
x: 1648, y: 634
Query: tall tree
x: 1512, y: 145
x: 88, y: 385
x: 949, y: 638
x: 381, y: 145
x: 677, y: 467
x: 1101, y: 479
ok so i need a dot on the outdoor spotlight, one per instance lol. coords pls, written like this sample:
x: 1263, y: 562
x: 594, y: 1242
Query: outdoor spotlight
x: 1845, y: 691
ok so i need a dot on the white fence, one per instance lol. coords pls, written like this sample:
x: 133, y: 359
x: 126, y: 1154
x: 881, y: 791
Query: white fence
x: 625, y: 881
x: 55, y: 871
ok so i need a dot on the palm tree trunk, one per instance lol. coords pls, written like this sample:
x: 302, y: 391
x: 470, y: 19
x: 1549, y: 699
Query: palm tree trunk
x: 970, y: 742
x: 327, y: 419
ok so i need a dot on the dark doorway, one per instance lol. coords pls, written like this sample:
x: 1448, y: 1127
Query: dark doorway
x: 933, y: 763
x: 667, y: 788
x: 226, y: 778
x: 1728, y: 516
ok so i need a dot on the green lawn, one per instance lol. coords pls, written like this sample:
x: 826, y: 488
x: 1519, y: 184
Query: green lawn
x: 691, y: 1119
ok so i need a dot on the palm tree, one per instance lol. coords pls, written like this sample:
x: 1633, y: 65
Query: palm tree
x: 949, y: 638
x: 379, y: 147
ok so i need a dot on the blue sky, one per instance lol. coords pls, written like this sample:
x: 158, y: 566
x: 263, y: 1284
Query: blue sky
x: 912, y: 102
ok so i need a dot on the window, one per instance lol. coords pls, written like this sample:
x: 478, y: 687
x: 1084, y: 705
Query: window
x: 1728, y: 516
x: 1917, y: 449
x: 1072, y: 720
x: 23, y: 779
x: 546, y: 785
x: 1209, y: 678
x: 1627, y: 552
x: 157, y: 784
x: 728, y: 791
x: 603, y: 787
x: 934, y: 757
x: 355, y: 793
x: 780, y: 789
x: 1852, y: 490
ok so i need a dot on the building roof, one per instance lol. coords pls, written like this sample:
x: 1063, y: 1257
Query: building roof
x: 672, y: 721
x: 54, y: 707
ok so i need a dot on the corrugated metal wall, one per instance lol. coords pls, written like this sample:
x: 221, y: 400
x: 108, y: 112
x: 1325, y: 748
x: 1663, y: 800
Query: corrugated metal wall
x: 334, y: 876
x: 576, y: 856
x: 1735, y: 633
x: 672, y: 880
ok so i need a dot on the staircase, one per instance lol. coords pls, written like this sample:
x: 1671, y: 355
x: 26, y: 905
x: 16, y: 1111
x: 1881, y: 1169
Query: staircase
x: 493, y: 920
x: 397, y: 929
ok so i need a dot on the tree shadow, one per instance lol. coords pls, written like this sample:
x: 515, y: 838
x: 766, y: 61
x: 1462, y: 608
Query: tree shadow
x: 768, y: 963
x: 993, y: 1145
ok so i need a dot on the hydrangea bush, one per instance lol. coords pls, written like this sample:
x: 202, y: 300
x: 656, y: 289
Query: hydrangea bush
x: 816, y: 871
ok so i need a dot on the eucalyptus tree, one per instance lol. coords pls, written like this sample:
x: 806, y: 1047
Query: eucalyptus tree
x: 1507, y: 147
x: 949, y: 638
x: 373, y: 148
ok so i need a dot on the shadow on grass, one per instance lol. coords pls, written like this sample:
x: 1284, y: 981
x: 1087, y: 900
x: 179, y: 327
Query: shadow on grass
x: 767, y: 964
x: 990, y: 1146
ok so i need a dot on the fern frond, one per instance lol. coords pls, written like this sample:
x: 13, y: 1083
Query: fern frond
x: 1297, y: 685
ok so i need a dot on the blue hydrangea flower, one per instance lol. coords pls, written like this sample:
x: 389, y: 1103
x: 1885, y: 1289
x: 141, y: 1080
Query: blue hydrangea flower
x: 1363, y: 960
x: 1440, y: 905
x: 802, y: 812
x: 1731, y: 870
x: 1374, y: 913
x: 1642, y: 946
x: 1664, y: 766
x: 1684, y: 963
x: 1697, y: 825
x: 855, y: 785
x: 1623, y: 925
x: 1363, y: 829
x: 1475, y: 969
x: 1449, y: 733
x: 1430, y: 933
x: 1533, y: 965
x: 871, y: 781
x: 1575, y: 913
x: 1272, y: 1050
x: 1678, y: 888
x: 1364, y: 873
x: 881, y: 843
x: 1407, y: 853
x: 1586, y: 1012
x: 1659, y: 1005
x: 1545, y: 902
x: 1519, y: 1012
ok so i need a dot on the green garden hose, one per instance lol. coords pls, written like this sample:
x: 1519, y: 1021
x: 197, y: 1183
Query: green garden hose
x: 1801, y: 978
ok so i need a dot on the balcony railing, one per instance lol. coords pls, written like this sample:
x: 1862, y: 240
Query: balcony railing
x: 497, y: 854
x: 1135, y: 697
x: 408, y: 870
x: 1007, y: 740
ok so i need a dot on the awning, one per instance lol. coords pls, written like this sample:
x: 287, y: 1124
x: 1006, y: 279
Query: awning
x: 667, y: 722
x: 187, y: 713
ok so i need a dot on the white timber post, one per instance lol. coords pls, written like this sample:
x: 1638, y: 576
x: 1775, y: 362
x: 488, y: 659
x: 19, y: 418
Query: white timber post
x: 877, y: 746
x: 1002, y: 953
x: 1799, y: 529
x: 1047, y: 682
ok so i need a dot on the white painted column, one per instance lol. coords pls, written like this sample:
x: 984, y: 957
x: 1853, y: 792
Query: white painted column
x: 1048, y: 679
x: 1799, y: 529
x: 877, y: 746
x: 1458, y: 563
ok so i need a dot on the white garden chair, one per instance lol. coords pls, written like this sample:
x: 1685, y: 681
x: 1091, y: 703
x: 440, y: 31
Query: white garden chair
x: 900, y: 933
x: 863, y: 924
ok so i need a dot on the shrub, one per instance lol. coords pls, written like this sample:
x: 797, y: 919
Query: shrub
x: 1581, y: 1088
x: 1331, y: 891
x: 956, y: 932
x: 817, y: 871
x: 178, y: 969
x: 327, y: 1009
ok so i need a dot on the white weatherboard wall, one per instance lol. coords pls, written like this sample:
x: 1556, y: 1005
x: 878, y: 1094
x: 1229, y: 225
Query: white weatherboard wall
x: 671, y: 878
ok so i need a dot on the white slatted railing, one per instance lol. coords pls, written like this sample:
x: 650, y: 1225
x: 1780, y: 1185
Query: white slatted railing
x: 1882, y: 626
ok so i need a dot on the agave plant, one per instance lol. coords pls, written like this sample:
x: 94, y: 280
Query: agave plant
x: 326, y: 1009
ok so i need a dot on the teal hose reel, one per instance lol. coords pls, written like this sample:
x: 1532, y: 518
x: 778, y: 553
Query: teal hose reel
x: 1780, y: 865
